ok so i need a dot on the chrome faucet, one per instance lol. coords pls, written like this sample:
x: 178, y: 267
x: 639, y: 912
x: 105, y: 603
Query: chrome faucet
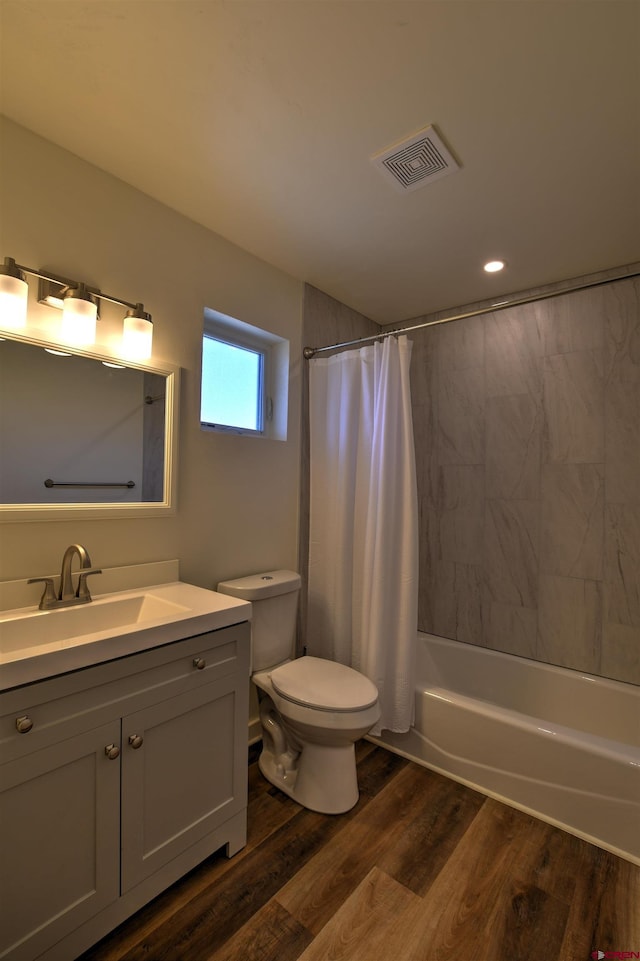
x: 66, y: 595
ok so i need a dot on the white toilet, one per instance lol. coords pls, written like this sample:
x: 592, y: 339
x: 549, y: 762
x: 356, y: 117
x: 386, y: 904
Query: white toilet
x: 311, y: 710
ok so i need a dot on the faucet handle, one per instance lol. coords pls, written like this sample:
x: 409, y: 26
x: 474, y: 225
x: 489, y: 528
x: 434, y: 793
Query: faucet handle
x: 49, y: 598
x: 83, y: 588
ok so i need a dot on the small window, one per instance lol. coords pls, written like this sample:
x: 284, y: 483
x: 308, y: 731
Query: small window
x: 232, y: 386
x: 245, y: 378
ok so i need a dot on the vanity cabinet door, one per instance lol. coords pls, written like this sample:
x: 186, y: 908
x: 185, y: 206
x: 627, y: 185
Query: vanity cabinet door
x: 59, y: 864
x: 180, y: 774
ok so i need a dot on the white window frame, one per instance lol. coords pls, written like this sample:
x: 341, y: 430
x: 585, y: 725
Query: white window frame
x: 275, y: 372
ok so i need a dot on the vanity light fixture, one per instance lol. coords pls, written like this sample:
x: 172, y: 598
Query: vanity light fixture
x: 79, y: 305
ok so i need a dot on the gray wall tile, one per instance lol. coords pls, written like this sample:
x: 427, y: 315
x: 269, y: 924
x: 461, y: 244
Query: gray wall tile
x: 457, y: 601
x: 426, y: 447
x: 572, y: 520
x: 513, y: 351
x: 423, y: 372
x: 622, y: 564
x: 620, y: 656
x: 428, y: 558
x: 622, y: 441
x: 573, y: 322
x: 461, y: 513
x: 573, y: 405
x: 622, y: 330
x: 511, y: 629
x: 569, y: 622
x: 460, y: 345
x: 513, y: 429
x: 511, y: 551
x: 461, y: 416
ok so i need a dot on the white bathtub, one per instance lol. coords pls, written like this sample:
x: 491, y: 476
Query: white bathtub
x: 556, y: 743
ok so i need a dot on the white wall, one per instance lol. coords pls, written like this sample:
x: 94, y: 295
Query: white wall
x: 237, y: 497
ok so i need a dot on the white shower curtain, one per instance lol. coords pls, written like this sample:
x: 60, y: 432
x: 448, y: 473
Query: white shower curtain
x: 363, y: 543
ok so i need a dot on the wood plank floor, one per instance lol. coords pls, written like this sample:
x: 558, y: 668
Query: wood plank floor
x: 422, y: 869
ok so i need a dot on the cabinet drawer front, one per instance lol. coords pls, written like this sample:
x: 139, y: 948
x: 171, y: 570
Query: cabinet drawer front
x: 60, y: 844
x: 61, y: 707
x: 184, y: 767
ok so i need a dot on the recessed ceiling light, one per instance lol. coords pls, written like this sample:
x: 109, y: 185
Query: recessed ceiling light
x: 494, y: 266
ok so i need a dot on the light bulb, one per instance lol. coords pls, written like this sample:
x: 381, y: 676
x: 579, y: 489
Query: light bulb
x: 79, y: 316
x: 14, y: 292
x: 137, y: 335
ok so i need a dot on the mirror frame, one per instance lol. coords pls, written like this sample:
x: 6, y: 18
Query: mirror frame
x: 12, y: 513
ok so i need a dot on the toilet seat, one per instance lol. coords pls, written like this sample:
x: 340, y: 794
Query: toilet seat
x: 324, y: 685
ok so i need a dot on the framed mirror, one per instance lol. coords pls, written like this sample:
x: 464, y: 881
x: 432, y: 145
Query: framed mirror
x: 84, y: 435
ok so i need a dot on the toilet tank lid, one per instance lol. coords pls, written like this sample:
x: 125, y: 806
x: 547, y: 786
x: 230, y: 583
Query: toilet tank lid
x: 255, y: 587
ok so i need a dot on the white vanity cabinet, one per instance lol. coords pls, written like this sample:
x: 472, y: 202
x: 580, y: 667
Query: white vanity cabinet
x: 115, y: 780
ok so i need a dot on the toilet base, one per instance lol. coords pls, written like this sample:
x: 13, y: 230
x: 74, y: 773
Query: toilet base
x: 324, y: 778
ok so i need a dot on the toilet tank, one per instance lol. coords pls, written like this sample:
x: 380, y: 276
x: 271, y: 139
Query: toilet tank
x: 274, y: 602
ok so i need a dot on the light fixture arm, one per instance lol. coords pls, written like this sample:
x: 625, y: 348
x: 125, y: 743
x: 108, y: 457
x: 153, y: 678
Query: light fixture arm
x: 53, y: 278
x: 116, y: 300
x: 135, y: 310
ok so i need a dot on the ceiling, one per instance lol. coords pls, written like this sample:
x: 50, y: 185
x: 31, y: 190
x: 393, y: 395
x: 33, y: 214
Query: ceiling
x: 259, y: 119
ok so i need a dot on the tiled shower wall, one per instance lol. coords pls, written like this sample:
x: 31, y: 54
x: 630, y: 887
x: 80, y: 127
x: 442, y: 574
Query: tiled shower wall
x: 527, y: 428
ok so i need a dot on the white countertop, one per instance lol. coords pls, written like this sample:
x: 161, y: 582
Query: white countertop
x: 187, y: 610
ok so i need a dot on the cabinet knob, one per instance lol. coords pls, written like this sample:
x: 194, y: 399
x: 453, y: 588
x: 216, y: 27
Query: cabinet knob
x: 24, y: 724
x: 199, y: 663
x: 112, y: 751
x: 135, y: 741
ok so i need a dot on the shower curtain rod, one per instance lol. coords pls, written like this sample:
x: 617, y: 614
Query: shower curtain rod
x: 310, y: 352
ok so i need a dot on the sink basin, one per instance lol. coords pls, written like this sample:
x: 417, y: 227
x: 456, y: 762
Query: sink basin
x: 38, y: 644
x: 31, y: 629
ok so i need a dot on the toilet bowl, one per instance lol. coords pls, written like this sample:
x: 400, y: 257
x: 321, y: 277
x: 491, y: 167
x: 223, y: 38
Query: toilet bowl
x: 312, y: 710
x: 315, y: 761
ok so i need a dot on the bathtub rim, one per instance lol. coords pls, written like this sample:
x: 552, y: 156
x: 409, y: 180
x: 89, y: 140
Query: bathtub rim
x: 606, y: 687
x: 610, y: 683
x: 620, y: 751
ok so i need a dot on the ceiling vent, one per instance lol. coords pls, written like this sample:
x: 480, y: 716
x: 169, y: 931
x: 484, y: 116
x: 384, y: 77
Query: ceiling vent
x: 414, y: 162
